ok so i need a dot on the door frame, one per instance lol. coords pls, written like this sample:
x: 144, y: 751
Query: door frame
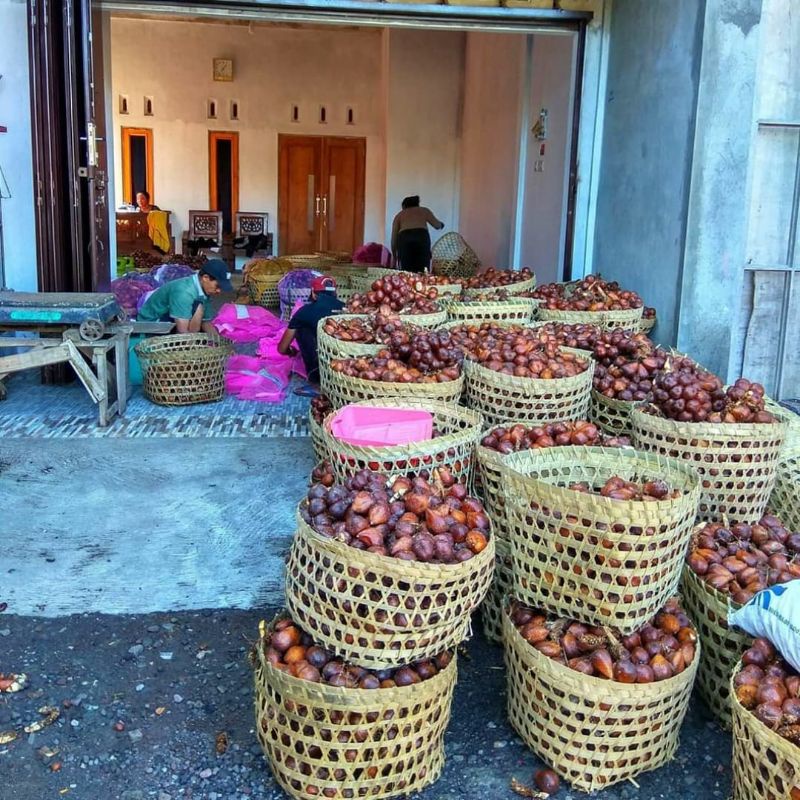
x: 127, y: 193
x: 63, y: 220
x: 233, y: 138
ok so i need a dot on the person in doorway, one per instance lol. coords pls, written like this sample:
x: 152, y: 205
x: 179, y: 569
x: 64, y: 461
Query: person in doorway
x: 143, y: 203
x: 187, y: 301
x: 411, y: 242
x: 303, y: 327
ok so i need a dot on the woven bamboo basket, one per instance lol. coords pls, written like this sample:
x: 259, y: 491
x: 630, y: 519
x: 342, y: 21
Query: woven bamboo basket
x: 510, y: 288
x: 601, y: 561
x: 318, y: 441
x: 429, y: 321
x: 765, y: 765
x: 593, y: 732
x: 343, y: 390
x: 493, y: 607
x: 628, y: 319
x: 308, y: 261
x: 611, y: 415
x: 183, y: 368
x: 325, y: 741
x: 646, y: 324
x: 345, y: 293
x: 454, y: 447
x: 335, y: 257
x: 722, y: 646
x: 448, y: 292
x: 488, y: 484
x: 303, y: 294
x: 364, y: 281
x: 452, y: 256
x: 737, y: 463
x: 506, y: 398
x: 348, y: 600
x: 521, y: 310
x: 785, y: 499
x: 263, y: 290
x: 329, y: 347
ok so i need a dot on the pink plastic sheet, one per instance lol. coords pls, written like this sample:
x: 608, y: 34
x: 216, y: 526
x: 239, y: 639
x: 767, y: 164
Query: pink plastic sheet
x: 241, y: 323
x: 250, y: 378
x: 264, y: 377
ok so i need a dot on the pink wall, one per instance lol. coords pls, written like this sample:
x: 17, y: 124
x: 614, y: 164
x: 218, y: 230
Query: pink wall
x: 544, y: 199
x: 489, y: 153
x: 425, y: 73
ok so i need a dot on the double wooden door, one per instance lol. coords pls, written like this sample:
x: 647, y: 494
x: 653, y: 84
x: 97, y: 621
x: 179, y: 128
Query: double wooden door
x: 320, y: 193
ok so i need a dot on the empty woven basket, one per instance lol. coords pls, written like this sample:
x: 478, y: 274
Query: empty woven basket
x: 184, y: 368
x: 452, y: 256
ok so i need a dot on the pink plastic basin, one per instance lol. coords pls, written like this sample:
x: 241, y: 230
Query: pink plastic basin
x: 369, y: 426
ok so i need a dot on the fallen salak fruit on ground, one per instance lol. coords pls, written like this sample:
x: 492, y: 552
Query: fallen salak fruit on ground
x: 13, y: 682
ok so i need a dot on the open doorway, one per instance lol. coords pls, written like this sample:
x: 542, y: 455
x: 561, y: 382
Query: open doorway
x: 137, y: 163
x: 379, y: 113
x: 223, y: 176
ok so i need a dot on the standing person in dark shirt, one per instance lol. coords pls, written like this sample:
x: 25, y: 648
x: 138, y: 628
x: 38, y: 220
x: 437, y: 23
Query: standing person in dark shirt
x: 303, y: 327
x: 411, y: 242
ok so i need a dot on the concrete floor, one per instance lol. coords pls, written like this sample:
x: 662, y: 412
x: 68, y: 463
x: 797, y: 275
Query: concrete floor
x: 143, y: 525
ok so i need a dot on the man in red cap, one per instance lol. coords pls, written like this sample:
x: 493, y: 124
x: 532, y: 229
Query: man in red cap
x: 303, y: 327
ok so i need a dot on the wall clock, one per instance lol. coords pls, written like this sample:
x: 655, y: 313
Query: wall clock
x: 223, y: 69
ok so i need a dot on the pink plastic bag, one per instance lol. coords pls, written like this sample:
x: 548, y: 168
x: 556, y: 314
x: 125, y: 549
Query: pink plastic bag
x: 247, y: 323
x: 268, y: 353
x: 251, y: 378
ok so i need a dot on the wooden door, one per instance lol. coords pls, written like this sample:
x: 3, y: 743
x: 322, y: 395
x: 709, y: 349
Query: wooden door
x: 223, y: 175
x: 320, y: 193
x: 299, y: 172
x: 343, y: 198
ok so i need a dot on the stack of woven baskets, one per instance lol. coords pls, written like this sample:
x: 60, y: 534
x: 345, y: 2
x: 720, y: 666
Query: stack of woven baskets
x: 584, y: 564
x: 352, y: 741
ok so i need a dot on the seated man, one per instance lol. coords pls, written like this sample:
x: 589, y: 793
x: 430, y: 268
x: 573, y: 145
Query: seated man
x: 187, y: 301
x: 303, y: 326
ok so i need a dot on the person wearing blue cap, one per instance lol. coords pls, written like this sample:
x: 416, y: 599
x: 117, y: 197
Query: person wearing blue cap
x: 187, y: 301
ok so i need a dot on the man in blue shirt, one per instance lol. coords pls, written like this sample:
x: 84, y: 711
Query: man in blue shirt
x: 303, y: 327
x: 187, y: 301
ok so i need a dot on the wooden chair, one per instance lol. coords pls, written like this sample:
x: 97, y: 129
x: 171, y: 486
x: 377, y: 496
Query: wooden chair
x: 252, y: 228
x: 204, y: 233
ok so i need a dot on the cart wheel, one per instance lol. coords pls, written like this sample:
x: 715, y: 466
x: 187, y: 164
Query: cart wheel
x: 123, y: 316
x: 92, y: 329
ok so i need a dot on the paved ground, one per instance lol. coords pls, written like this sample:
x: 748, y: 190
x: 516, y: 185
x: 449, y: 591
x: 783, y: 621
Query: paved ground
x: 185, y: 510
x: 138, y: 525
x: 177, y: 680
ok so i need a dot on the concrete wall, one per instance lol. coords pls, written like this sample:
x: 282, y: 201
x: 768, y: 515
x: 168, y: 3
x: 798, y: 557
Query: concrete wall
x: 755, y: 350
x: 274, y: 68
x: 425, y: 73
x: 648, y: 137
x: 543, y: 229
x: 490, y: 144
x: 717, y: 212
x: 19, y: 228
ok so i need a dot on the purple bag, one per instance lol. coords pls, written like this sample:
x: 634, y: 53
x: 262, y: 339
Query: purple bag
x: 170, y: 272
